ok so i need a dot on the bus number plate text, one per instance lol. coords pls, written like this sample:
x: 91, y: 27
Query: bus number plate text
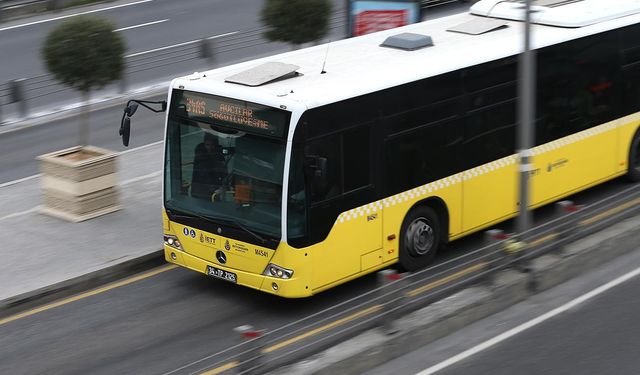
x: 222, y: 274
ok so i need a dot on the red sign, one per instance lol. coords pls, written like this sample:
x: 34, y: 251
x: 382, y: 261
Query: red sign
x: 370, y: 21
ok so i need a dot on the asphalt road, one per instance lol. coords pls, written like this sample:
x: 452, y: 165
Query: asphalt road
x: 599, y: 336
x: 173, y: 319
x: 145, y: 25
x: 185, y: 20
x: 170, y: 28
x: 150, y: 327
x: 169, y: 320
x: 21, y: 148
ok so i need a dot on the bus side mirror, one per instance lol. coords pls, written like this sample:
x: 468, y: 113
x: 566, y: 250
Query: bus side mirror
x: 131, y: 109
x: 125, y: 130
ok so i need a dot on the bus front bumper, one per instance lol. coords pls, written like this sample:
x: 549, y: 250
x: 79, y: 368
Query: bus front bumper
x: 289, y: 288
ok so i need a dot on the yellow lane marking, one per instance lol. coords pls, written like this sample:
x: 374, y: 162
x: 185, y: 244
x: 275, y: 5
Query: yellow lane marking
x: 609, y: 212
x: 544, y: 239
x: 415, y: 292
x: 359, y: 314
x: 447, y: 279
x: 87, y: 294
x: 325, y: 327
x: 221, y: 369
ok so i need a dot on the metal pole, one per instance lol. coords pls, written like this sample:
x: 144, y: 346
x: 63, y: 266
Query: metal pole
x: 525, y: 129
x: 348, y: 4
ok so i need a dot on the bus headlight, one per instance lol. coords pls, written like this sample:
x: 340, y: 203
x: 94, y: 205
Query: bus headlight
x: 172, y: 241
x: 277, y: 271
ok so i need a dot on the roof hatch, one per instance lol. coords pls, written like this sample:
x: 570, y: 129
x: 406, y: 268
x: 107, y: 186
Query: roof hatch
x: 408, y: 41
x: 264, y: 73
x: 479, y: 25
x: 562, y: 13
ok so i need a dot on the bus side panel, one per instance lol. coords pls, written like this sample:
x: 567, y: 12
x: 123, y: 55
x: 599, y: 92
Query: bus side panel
x: 396, y: 207
x: 354, y: 242
x: 490, y: 193
x: 627, y: 128
x: 573, y: 162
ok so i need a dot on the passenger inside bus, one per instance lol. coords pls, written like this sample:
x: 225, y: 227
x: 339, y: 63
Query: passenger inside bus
x: 208, y: 168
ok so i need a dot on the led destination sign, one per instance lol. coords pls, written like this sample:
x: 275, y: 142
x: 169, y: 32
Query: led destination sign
x: 232, y: 113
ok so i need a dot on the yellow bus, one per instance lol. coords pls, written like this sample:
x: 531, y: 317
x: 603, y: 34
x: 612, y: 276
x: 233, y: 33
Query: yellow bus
x: 297, y: 172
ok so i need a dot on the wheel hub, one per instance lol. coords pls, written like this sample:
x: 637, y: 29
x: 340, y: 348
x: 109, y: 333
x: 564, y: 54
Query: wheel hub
x: 420, y: 237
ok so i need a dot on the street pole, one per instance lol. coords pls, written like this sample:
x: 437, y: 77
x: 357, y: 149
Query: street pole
x: 525, y: 128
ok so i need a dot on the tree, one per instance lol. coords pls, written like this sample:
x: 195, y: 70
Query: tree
x: 85, y: 54
x: 296, y: 21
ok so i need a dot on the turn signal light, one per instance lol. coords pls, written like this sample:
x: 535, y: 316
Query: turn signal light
x: 171, y: 240
x: 277, y: 271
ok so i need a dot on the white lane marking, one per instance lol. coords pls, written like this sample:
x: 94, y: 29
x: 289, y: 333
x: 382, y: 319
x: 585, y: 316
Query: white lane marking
x: 178, y: 45
x: 9, y: 183
x: 21, y: 213
x: 140, y: 178
x: 162, y: 48
x: 221, y: 35
x: 140, y: 147
x: 125, y: 182
x: 531, y: 323
x: 140, y: 25
x: 73, y: 15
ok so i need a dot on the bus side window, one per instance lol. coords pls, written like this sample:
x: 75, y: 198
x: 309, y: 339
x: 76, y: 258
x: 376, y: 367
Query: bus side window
x: 423, y: 155
x: 630, y: 43
x: 347, y: 162
x: 577, y: 86
x: 329, y: 148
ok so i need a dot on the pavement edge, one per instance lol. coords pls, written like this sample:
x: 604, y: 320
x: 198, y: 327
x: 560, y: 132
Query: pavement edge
x: 83, y: 283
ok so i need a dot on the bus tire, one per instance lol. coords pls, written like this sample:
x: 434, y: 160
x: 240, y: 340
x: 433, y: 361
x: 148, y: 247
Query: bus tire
x: 419, y: 238
x: 633, y: 173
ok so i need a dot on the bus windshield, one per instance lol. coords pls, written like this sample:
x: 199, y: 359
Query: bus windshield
x: 222, y: 172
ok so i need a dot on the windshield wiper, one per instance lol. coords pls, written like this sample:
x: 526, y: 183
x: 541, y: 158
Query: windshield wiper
x: 244, y: 228
x: 217, y: 221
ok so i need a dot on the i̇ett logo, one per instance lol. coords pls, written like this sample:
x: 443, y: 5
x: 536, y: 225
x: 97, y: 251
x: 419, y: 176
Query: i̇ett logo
x: 227, y: 246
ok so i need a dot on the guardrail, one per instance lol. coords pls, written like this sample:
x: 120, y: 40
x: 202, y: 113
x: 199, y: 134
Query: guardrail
x: 259, y: 351
x: 16, y: 8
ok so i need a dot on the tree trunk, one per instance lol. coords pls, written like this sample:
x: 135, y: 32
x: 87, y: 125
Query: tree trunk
x: 84, y: 122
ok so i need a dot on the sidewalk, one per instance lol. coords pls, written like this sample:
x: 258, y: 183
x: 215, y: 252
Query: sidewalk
x: 39, y: 251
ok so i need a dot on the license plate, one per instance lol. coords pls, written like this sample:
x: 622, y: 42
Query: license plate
x: 222, y: 274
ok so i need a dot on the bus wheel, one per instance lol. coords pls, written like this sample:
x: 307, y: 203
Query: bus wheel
x: 420, y: 238
x: 634, y: 159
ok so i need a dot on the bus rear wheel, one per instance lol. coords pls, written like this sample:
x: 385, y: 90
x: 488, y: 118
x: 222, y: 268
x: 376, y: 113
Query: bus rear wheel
x: 420, y: 238
x: 634, y: 159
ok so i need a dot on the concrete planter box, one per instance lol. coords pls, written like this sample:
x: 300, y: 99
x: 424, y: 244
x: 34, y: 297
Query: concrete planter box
x: 79, y: 183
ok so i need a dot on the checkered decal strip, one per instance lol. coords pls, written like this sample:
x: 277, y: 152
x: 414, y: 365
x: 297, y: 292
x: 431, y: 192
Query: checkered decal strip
x: 554, y: 145
x: 424, y: 191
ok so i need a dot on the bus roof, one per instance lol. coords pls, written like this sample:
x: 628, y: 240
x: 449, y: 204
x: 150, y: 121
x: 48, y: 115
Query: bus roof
x: 358, y: 66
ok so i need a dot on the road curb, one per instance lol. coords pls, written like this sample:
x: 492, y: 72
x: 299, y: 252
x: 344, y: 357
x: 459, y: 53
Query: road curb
x: 374, y: 348
x: 42, y: 296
